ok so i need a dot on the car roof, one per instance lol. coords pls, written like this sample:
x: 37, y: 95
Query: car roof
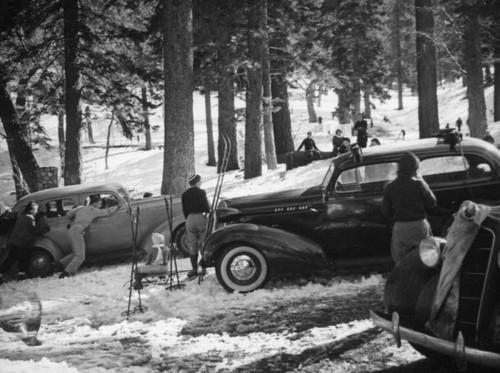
x: 70, y: 190
x: 420, y: 147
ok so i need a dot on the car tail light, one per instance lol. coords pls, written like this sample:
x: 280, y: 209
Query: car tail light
x: 430, y: 251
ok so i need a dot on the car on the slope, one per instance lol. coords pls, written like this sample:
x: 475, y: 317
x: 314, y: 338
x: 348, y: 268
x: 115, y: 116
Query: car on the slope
x: 107, y: 237
x: 445, y: 301
x: 339, y: 222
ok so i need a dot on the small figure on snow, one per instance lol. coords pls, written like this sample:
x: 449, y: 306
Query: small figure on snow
x: 360, y: 129
x: 459, y: 124
x: 195, y: 208
x: 158, y: 253
x: 310, y: 146
x: 337, y: 141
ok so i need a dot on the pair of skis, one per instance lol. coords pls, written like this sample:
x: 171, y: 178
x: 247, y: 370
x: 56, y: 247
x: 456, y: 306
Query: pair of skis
x: 215, y: 200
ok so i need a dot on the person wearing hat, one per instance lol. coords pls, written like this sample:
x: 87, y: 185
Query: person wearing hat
x: 405, y: 202
x: 82, y: 217
x: 195, y: 208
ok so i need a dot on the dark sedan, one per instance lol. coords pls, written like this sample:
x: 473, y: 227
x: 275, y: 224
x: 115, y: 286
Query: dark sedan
x: 339, y: 222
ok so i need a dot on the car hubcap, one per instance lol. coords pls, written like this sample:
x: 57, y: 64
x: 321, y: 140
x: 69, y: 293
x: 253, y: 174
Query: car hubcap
x: 39, y: 262
x: 243, y: 267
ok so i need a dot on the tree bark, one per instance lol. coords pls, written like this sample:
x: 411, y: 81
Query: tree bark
x: 24, y: 164
x: 426, y: 69
x: 108, y: 138
x: 145, y: 114
x: 271, y: 160
x: 253, y: 110
x: 282, y: 124
x: 178, y: 160
x: 73, y: 156
x: 366, y: 99
x: 61, y: 138
x: 399, y: 62
x: 313, y: 117
x: 473, y: 63
x: 227, y: 115
x: 210, y: 132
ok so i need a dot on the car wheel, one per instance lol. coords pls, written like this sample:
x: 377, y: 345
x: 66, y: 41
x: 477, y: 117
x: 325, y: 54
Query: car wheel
x: 181, y: 241
x: 40, y: 263
x: 242, y: 268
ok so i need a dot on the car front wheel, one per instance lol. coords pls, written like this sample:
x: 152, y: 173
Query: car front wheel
x: 40, y: 263
x: 181, y: 241
x: 242, y: 268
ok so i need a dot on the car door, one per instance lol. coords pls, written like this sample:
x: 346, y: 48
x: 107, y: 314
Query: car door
x: 355, y: 226
x: 111, y: 233
x: 55, y: 210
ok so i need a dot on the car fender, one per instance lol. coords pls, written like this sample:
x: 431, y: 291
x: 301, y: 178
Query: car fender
x: 407, y: 289
x: 49, y: 245
x: 284, y: 251
x: 163, y: 228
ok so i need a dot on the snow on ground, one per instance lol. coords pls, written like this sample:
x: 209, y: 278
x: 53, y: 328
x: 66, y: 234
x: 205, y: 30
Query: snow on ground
x: 300, y: 324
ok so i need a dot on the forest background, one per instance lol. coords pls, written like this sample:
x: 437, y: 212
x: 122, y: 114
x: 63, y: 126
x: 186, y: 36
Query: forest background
x: 130, y: 58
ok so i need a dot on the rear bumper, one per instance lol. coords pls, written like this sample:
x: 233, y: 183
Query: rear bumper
x: 456, y: 350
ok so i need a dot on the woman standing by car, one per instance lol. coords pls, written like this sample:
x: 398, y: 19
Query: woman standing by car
x: 405, y: 202
x: 21, y: 240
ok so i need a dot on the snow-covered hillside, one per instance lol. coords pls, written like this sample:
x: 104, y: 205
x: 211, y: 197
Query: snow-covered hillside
x: 307, y: 324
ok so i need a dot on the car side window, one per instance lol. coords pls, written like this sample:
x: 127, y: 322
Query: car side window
x: 454, y: 168
x: 366, y: 178
x: 58, y: 207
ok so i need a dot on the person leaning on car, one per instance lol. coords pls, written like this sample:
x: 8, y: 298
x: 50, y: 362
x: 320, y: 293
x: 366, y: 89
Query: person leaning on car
x: 82, y: 217
x: 195, y: 208
x: 29, y: 224
x: 405, y: 202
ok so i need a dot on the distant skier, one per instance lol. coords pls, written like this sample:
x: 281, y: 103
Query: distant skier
x: 459, y: 124
x: 310, y: 146
x: 195, y: 208
x: 337, y: 141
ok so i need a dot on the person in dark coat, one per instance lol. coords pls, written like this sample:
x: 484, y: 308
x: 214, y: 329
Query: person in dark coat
x: 459, y: 124
x: 195, y: 208
x: 405, y: 202
x: 337, y: 141
x: 346, y: 145
x: 310, y: 146
x: 361, y: 127
x: 21, y: 240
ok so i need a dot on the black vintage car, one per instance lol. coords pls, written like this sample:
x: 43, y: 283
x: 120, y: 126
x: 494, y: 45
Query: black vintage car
x: 445, y: 298
x: 339, y: 222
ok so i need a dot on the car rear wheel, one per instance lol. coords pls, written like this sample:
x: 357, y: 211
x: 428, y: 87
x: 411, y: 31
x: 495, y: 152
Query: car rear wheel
x: 40, y: 263
x: 242, y: 268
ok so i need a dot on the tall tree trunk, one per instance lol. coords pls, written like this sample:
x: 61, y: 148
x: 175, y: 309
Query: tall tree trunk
x: 145, y: 114
x: 227, y: 114
x: 178, y: 160
x: 61, y: 138
x: 108, y: 139
x: 313, y: 117
x: 475, y: 90
x: 271, y: 160
x: 73, y: 156
x: 496, y: 93
x: 282, y: 124
x: 366, y: 99
x: 210, y: 132
x: 426, y: 69
x: 253, y: 110
x: 356, y: 97
x: 399, y: 58
x: 24, y: 164
x: 344, y: 104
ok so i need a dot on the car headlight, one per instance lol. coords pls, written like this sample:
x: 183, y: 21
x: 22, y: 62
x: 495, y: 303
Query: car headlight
x: 430, y: 251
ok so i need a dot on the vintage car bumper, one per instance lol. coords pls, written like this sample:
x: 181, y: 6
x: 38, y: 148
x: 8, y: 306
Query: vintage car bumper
x: 456, y: 350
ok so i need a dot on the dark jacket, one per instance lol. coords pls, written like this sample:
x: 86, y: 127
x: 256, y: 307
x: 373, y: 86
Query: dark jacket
x: 308, y: 145
x: 24, y: 232
x: 337, y: 142
x: 194, y: 200
x: 406, y: 198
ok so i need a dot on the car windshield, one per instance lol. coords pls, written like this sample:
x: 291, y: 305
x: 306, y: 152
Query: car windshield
x: 124, y: 194
x: 328, y: 176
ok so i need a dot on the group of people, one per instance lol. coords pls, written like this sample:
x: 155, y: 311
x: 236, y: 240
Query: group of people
x: 31, y: 223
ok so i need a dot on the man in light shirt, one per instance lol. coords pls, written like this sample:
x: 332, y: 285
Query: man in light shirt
x: 82, y: 217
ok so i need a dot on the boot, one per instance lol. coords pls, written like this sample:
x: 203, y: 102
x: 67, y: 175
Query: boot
x: 194, y: 264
